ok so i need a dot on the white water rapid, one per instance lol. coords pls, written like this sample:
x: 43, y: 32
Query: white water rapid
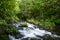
x: 30, y: 32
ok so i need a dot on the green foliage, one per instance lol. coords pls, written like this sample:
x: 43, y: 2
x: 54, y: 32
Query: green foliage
x: 8, y: 29
x: 42, y: 10
x: 8, y: 9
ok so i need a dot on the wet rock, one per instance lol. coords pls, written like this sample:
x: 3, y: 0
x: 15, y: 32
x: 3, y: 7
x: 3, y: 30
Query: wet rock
x: 19, y: 36
x: 25, y: 39
x: 48, y: 37
x: 35, y: 39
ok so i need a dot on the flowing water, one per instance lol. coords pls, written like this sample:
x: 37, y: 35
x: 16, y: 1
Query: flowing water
x: 32, y: 32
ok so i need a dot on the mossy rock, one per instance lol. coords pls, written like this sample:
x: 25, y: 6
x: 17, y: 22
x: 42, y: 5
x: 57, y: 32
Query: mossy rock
x: 48, y: 37
x: 24, y: 25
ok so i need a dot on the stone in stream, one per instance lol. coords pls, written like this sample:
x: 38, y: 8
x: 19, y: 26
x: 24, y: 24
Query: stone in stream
x: 19, y: 36
x: 25, y: 39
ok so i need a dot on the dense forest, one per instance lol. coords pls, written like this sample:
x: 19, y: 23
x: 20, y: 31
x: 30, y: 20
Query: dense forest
x: 45, y: 13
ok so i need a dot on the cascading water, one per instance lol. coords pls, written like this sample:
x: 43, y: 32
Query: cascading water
x: 31, y: 32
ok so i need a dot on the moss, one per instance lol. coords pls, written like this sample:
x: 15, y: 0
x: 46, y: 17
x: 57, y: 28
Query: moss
x: 25, y: 24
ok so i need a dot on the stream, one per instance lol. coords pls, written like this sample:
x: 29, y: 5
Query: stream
x: 32, y: 32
